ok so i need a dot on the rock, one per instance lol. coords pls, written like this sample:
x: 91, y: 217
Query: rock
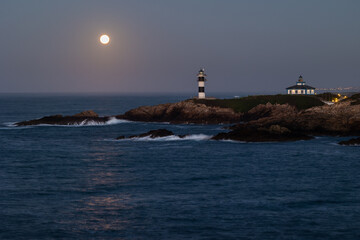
x: 182, y: 112
x: 337, y: 119
x: 152, y: 134
x: 88, y: 113
x: 83, y: 118
x: 155, y: 133
x: 248, y: 133
x: 351, y: 142
x: 269, y: 110
x: 183, y: 136
x: 277, y: 129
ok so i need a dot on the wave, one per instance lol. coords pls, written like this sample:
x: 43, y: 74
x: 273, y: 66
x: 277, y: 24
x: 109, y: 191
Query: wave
x: 111, y: 121
x: 194, y: 137
x: 10, y: 124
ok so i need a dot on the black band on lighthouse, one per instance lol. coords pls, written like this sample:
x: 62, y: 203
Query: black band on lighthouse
x: 201, y: 89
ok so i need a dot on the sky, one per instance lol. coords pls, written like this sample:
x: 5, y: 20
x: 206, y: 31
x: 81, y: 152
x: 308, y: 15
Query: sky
x: 158, y: 46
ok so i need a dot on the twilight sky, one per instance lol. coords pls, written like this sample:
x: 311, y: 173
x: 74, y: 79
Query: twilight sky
x: 159, y: 45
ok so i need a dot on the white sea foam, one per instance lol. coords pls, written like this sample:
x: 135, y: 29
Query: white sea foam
x: 232, y: 141
x: 111, y: 121
x: 194, y: 137
x: 10, y: 124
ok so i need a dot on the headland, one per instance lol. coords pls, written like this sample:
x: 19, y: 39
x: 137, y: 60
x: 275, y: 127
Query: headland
x: 253, y: 119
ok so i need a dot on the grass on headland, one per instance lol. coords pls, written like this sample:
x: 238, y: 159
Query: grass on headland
x: 244, y: 104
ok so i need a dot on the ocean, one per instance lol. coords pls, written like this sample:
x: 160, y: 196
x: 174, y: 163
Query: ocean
x: 78, y: 182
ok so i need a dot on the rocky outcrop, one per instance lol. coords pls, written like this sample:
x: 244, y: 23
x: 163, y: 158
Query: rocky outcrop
x: 183, y: 112
x: 337, y: 119
x: 268, y: 122
x: 248, y: 133
x: 88, y: 113
x: 83, y: 118
x: 270, y: 111
x: 152, y: 134
x: 351, y: 142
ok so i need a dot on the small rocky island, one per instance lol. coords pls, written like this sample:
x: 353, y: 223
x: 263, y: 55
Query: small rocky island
x: 83, y: 118
x: 159, y: 133
x: 254, y: 118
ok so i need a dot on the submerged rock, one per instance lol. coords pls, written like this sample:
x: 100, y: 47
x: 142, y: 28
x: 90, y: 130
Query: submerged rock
x: 351, y: 142
x: 83, y: 118
x: 248, y: 133
x: 152, y: 134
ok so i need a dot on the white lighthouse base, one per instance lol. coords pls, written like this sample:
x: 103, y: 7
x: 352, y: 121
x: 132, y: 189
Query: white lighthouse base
x: 201, y: 95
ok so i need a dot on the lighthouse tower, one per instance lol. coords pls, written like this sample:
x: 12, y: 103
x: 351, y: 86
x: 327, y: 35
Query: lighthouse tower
x: 201, y: 81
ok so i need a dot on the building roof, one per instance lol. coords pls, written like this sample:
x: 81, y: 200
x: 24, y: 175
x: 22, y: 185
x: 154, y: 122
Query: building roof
x: 300, y: 87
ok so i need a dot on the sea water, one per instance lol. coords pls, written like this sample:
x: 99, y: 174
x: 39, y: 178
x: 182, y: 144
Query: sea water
x: 78, y: 182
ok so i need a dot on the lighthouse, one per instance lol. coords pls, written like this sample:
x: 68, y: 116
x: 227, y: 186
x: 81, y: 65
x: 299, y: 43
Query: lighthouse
x: 201, y: 82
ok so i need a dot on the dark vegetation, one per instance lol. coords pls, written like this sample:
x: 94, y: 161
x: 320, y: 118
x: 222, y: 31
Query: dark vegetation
x: 246, y: 103
x: 327, y: 96
x: 355, y: 99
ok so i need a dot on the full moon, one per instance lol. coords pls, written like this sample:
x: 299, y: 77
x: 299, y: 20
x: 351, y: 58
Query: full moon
x: 104, y: 39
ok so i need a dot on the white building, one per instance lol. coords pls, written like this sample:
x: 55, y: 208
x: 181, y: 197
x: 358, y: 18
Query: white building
x: 301, y: 88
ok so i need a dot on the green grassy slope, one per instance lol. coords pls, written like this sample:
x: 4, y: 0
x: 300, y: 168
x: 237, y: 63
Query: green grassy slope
x: 246, y: 103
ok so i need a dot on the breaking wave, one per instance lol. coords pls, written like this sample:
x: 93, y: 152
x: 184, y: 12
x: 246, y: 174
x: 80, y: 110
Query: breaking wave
x: 111, y: 121
x: 194, y: 137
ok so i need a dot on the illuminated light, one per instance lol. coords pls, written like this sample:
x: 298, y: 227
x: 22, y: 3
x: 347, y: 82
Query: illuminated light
x: 104, y: 39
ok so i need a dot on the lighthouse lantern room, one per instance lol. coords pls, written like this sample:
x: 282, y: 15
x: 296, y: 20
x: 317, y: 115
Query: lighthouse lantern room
x: 201, y: 82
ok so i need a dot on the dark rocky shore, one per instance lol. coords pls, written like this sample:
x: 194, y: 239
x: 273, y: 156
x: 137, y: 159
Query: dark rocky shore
x: 274, y: 133
x: 262, y: 123
x: 83, y: 118
x: 351, y: 142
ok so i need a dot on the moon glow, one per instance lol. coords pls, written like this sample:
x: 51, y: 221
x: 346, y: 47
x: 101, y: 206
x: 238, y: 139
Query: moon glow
x: 104, y: 39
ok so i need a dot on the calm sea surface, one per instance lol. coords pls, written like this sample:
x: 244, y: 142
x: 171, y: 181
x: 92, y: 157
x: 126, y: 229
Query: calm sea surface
x: 79, y: 183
